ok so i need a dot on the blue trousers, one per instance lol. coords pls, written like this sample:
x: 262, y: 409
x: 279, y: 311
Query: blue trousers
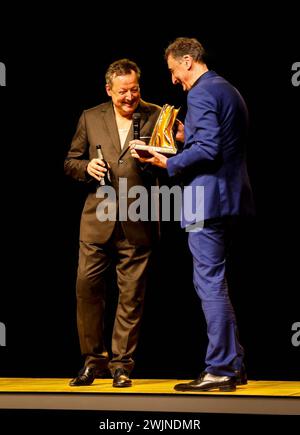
x: 209, y: 248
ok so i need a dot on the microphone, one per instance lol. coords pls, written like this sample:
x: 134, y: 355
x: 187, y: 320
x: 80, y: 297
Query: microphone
x: 103, y: 180
x: 136, y: 118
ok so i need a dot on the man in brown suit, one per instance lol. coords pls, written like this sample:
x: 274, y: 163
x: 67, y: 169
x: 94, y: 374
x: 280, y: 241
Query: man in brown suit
x: 126, y: 244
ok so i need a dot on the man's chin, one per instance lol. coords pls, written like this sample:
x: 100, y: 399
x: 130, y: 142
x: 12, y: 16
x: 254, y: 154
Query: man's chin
x: 129, y: 110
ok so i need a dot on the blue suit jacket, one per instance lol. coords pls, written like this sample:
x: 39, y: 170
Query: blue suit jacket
x: 214, y: 154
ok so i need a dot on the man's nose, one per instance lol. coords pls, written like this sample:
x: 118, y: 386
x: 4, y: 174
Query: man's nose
x: 129, y: 93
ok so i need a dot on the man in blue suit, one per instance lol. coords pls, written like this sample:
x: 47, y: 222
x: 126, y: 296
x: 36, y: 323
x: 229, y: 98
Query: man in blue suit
x: 213, y: 156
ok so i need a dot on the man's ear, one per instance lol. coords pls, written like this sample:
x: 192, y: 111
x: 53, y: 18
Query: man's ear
x: 108, y: 90
x: 187, y: 59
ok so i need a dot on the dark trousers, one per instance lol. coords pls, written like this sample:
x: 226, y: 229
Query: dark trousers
x: 209, y: 248
x: 131, y: 264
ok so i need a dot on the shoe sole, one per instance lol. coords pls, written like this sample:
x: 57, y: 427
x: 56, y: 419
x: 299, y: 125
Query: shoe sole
x: 223, y: 388
x: 227, y: 389
x: 80, y: 385
x: 122, y: 386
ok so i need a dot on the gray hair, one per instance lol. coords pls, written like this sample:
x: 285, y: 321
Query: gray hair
x: 121, y: 67
x: 183, y: 46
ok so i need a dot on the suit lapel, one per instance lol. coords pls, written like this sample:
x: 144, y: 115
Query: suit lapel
x: 111, y: 125
x: 126, y: 144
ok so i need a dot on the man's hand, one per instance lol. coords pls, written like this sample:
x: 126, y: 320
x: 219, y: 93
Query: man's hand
x: 180, y: 131
x: 134, y: 153
x: 157, y: 159
x: 96, y: 169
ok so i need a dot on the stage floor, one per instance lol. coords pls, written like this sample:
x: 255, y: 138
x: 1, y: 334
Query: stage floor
x: 155, y: 395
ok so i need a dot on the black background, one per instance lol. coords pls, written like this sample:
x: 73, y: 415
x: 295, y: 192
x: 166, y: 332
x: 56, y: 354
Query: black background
x: 55, y: 69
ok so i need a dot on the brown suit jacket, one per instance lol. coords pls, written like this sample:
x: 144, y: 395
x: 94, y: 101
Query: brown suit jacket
x: 98, y: 126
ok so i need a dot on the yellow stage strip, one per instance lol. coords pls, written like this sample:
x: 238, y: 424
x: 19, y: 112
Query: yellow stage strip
x: 144, y: 386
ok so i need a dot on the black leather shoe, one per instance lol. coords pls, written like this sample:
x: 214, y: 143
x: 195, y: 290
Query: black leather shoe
x: 207, y: 382
x: 86, y: 376
x: 121, y: 378
x: 241, y: 376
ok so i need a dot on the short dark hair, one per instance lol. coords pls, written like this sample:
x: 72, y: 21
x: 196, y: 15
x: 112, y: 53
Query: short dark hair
x: 121, y: 67
x: 183, y: 46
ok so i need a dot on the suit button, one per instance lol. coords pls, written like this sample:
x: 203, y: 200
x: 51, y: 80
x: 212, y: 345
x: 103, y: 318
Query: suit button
x: 121, y: 161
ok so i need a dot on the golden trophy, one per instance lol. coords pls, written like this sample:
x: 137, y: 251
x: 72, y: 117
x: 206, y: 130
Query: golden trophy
x: 161, y: 140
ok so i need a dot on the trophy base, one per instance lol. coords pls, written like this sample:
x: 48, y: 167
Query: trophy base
x: 143, y: 151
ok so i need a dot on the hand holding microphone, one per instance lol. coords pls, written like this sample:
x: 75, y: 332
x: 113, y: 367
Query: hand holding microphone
x: 138, y: 139
x: 136, y: 120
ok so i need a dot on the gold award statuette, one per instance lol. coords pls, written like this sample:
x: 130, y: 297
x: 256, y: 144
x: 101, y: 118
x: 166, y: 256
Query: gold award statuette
x: 162, y: 139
